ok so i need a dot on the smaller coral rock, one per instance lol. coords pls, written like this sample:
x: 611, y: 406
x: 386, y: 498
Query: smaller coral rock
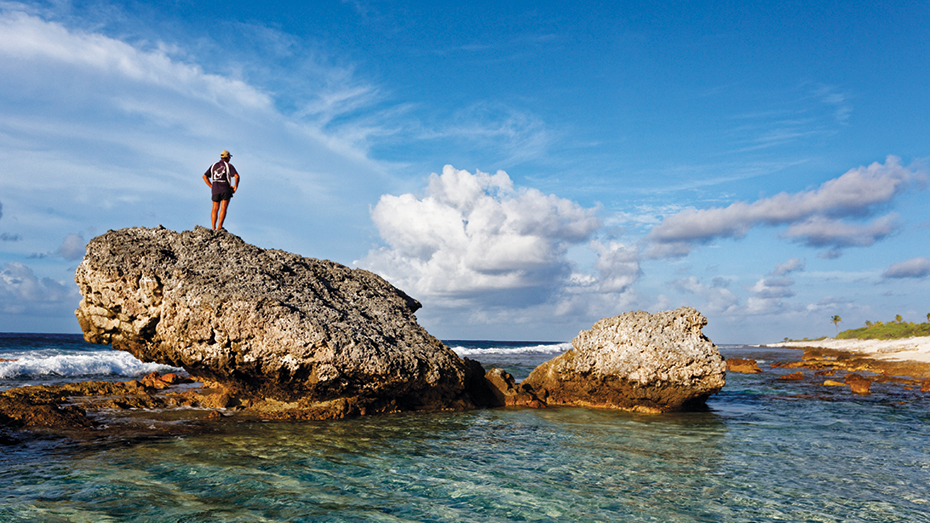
x: 793, y: 376
x: 635, y: 361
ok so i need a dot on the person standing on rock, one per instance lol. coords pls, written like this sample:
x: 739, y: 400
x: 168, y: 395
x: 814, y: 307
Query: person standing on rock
x: 218, y: 178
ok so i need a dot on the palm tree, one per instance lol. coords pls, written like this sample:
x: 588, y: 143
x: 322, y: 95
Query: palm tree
x: 898, y: 318
x: 836, y: 320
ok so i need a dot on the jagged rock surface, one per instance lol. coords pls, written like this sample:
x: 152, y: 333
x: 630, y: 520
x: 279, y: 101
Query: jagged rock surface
x: 301, y: 334
x: 635, y: 361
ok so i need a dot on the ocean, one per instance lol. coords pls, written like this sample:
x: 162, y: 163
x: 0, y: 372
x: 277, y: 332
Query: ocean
x: 764, y: 450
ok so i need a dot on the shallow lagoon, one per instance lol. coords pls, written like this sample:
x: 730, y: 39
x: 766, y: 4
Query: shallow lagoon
x: 766, y: 450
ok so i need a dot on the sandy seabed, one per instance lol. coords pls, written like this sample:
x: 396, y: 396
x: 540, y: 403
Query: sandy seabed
x: 905, y: 349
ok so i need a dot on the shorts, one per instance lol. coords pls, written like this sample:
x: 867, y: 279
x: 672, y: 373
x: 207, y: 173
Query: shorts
x: 228, y: 194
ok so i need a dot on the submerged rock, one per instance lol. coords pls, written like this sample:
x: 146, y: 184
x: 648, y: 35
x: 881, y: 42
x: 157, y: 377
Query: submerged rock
x: 635, y: 361
x: 858, y: 384
x: 742, y: 365
x: 507, y: 393
x: 279, y: 331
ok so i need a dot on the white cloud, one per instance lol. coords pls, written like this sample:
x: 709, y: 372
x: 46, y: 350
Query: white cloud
x: 717, y: 298
x: 475, y: 235
x: 830, y: 304
x: 119, y: 133
x: 31, y: 39
x: 913, y: 268
x: 22, y: 292
x: 813, y: 214
x: 768, y: 293
x: 617, y: 264
x: 769, y: 288
x: 792, y: 265
x: 72, y: 248
x: 820, y: 231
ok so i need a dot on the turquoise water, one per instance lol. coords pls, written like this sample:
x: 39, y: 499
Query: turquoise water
x: 765, y: 450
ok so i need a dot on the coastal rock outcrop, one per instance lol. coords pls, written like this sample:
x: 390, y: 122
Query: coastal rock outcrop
x: 635, y: 361
x: 296, y: 336
x: 743, y: 366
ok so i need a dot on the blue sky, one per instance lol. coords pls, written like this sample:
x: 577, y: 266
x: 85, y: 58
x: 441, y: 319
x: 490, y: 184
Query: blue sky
x: 521, y: 168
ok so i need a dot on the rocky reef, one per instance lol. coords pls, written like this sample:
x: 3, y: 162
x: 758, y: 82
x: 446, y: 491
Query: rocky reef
x: 635, y: 361
x: 289, y: 336
x: 858, y: 371
x: 273, y: 335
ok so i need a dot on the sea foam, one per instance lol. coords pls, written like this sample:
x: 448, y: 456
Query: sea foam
x: 548, y: 348
x: 86, y: 363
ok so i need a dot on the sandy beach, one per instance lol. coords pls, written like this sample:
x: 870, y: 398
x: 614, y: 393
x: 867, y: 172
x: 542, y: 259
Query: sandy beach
x: 905, y: 349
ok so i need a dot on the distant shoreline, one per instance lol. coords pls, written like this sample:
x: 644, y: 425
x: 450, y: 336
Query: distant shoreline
x: 905, y: 349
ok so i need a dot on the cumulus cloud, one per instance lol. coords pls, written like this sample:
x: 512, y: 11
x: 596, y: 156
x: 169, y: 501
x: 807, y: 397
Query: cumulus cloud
x: 72, y: 248
x: 476, y: 235
x: 813, y: 215
x: 768, y: 293
x: 768, y: 288
x: 618, y: 265
x: 21, y: 291
x: 718, y: 298
x: 913, y: 268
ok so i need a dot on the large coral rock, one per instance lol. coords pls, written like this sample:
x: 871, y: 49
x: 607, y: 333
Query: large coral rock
x: 635, y: 361
x: 273, y: 327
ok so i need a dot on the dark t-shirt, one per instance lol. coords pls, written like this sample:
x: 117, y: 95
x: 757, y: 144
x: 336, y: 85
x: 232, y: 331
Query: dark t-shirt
x: 220, y: 175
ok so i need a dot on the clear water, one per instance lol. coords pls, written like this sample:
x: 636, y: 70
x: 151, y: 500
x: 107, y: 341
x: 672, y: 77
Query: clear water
x: 766, y: 450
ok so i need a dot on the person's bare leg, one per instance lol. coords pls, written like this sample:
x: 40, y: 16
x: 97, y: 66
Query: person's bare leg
x: 216, y: 206
x: 223, y: 205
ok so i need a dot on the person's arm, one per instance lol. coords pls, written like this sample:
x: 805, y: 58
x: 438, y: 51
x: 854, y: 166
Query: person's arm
x: 236, y: 176
x: 210, y: 185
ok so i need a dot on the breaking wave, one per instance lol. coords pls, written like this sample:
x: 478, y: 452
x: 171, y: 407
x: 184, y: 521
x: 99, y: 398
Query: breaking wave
x: 104, y: 363
x: 473, y: 349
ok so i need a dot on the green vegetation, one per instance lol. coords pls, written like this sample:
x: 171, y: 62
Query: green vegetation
x: 887, y: 331
x: 893, y: 330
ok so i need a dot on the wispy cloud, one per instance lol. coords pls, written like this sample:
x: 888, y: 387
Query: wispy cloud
x: 516, y: 135
x: 28, y: 38
x: 808, y: 112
